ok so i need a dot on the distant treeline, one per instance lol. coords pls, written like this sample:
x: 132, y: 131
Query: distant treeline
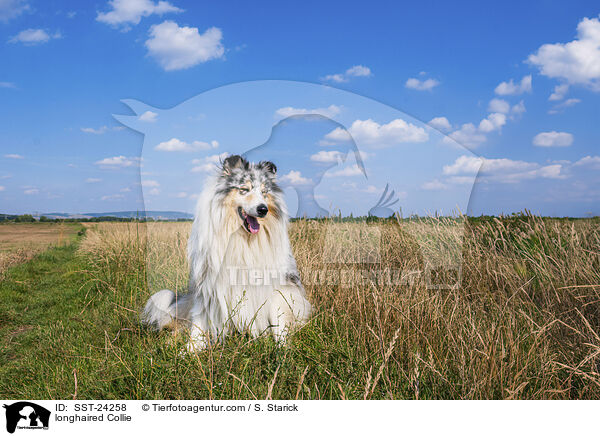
x: 27, y: 218
x: 520, y: 216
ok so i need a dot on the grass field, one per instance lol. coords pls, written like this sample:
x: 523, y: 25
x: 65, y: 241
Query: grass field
x: 524, y: 324
x: 19, y: 242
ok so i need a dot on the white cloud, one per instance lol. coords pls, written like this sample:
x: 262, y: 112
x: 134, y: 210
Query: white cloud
x: 101, y: 130
x: 553, y: 139
x: 327, y: 157
x: 461, y: 180
x: 559, y: 92
x: 92, y: 180
x: 339, y: 78
x: 208, y: 164
x: 472, y: 137
x: 128, y: 12
x: 380, y: 135
x: 358, y: 71
x: 518, y: 108
x: 34, y: 37
x: 112, y: 197
x: 434, y: 185
x: 364, y: 155
x: 493, y: 122
x: 353, y: 170
x: 13, y: 156
x: 7, y: 85
x: 181, y: 195
x: 355, y: 71
x: 421, y: 85
x: 471, y: 165
x: 178, y: 48
x: 498, y: 105
x: 577, y: 61
x: 2, y: 188
x: 295, y: 178
x: 154, y: 191
x: 557, y: 108
x: 150, y: 184
x: 371, y: 189
x: 589, y: 161
x: 335, y: 136
x: 464, y: 164
x: 125, y: 190
x: 118, y: 162
x: 502, y: 170
x: 10, y: 9
x: 148, y: 117
x: 569, y: 102
x: 329, y: 112
x: 31, y: 191
x: 440, y: 123
x: 548, y: 172
x: 468, y: 135
x: 175, y: 144
x: 510, y: 88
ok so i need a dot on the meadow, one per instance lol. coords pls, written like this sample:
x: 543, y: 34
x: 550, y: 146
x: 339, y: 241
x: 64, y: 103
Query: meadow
x: 20, y: 242
x: 518, y: 319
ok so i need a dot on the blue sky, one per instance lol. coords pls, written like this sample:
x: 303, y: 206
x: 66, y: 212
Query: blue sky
x: 517, y: 84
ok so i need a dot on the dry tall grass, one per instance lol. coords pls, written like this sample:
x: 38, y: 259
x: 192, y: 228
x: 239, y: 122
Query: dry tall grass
x: 20, y: 242
x: 524, y: 321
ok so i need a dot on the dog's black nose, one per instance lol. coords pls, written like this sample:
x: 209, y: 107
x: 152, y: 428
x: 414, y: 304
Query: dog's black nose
x: 262, y: 210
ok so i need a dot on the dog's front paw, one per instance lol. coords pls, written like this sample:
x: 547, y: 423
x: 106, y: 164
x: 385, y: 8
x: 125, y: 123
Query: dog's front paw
x: 195, y: 346
x: 281, y: 340
x: 280, y: 334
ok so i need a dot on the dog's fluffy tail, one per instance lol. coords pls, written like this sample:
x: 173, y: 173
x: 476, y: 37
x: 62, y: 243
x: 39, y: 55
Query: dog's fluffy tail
x: 161, y: 309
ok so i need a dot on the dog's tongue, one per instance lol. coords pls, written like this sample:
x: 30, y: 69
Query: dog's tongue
x: 252, y: 224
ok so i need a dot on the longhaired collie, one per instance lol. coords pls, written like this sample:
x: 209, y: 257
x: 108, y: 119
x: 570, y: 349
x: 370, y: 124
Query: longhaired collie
x: 243, y: 275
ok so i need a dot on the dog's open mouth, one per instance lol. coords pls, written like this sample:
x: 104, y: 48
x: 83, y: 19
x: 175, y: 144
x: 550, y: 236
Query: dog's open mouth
x: 250, y: 222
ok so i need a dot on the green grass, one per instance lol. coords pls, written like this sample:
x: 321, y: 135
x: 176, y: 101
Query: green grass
x: 63, y: 338
x: 524, y: 324
x: 39, y: 315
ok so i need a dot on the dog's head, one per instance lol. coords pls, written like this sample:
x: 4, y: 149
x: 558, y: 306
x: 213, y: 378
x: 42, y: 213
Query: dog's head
x: 251, y: 192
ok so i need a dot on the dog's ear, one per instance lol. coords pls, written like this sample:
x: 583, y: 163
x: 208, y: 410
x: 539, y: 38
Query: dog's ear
x: 269, y: 166
x: 233, y: 162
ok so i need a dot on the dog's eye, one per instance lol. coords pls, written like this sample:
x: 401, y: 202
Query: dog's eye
x: 244, y: 191
x: 265, y: 191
